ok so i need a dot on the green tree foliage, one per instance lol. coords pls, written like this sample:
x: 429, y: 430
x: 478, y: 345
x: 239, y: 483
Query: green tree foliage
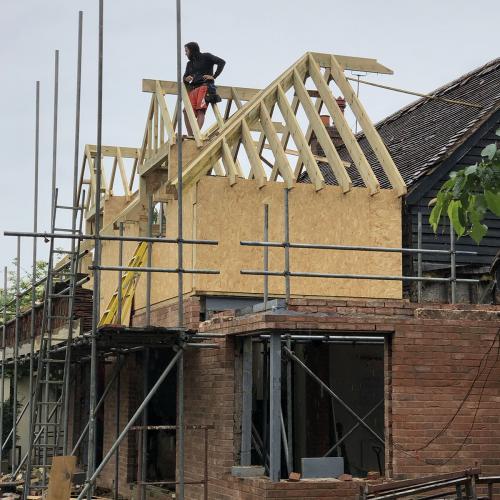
x: 469, y: 194
x: 24, y: 284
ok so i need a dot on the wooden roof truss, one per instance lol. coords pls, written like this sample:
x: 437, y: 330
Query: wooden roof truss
x: 253, y: 130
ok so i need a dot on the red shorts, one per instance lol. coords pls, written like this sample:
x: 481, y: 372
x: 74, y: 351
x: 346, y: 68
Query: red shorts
x: 197, y: 98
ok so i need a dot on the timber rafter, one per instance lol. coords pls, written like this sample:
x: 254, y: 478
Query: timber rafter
x: 284, y: 97
x: 257, y: 134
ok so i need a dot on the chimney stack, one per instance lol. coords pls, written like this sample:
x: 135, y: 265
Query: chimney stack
x: 326, y: 120
x: 331, y: 129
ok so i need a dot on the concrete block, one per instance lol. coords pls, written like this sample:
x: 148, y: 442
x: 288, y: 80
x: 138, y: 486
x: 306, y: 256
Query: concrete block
x: 247, y: 471
x: 322, y: 467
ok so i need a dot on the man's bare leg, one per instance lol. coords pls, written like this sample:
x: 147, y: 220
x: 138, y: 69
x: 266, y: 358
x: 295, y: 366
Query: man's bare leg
x: 188, y: 125
x: 200, y: 117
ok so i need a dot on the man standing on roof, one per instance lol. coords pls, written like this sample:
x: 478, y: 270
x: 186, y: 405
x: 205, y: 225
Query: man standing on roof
x: 200, y: 76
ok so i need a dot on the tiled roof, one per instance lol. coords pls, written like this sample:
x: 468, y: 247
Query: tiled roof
x: 422, y: 134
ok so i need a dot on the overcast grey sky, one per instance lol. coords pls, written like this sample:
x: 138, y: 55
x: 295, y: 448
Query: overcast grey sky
x: 425, y: 42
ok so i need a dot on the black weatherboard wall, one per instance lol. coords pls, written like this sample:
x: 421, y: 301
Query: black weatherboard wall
x: 426, y: 189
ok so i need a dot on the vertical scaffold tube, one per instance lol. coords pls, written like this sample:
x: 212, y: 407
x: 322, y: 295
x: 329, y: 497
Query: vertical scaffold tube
x: 180, y: 284
x: 33, y: 293
x: 96, y: 263
x: 2, y: 380
x: 16, y: 354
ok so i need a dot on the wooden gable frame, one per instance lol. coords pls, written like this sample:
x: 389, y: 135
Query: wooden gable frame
x: 257, y: 115
x: 245, y: 121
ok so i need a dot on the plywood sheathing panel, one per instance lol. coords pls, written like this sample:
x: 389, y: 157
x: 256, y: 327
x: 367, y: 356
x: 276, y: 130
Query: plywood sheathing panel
x: 327, y: 217
x: 215, y: 210
x: 163, y: 286
x: 112, y: 207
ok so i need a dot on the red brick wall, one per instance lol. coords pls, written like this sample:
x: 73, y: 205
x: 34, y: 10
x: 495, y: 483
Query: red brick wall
x: 166, y: 314
x: 432, y: 356
x: 434, y: 364
x: 209, y: 400
x: 253, y: 489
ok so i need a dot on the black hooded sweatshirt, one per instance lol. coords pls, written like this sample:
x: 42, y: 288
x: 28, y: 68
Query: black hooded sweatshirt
x: 203, y: 64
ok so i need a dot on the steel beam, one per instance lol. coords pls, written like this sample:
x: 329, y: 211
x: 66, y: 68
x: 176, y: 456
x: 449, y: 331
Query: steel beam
x: 246, y: 417
x: 275, y: 408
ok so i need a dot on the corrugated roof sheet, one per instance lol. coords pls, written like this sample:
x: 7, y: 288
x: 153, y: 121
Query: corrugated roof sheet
x: 425, y: 132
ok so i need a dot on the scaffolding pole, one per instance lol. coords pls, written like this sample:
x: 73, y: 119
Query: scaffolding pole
x: 338, y: 442
x: 48, y: 309
x: 266, y: 255
x: 289, y: 408
x: 33, y: 286
x: 2, y: 381
x: 117, y: 430
x: 137, y: 239
x: 143, y: 449
x: 375, y: 277
x: 265, y: 401
x: 361, y: 421
x: 54, y: 129
x: 96, y: 262
x: 149, y: 260
x: 419, y: 256
x: 75, y: 244
x: 287, y: 244
x: 453, y: 265
x: 180, y: 250
x: 16, y: 354
x: 120, y: 278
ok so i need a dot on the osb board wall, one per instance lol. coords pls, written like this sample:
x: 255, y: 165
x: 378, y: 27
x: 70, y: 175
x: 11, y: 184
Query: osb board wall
x: 231, y: 214
x: 215, y: 210
x: 110, y: 249
x: 164, y: 286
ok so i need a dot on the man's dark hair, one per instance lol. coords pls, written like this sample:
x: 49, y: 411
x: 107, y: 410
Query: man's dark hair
x: 194, y: 50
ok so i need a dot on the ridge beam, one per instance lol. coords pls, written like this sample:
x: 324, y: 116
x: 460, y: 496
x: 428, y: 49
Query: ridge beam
x: 352, y: 63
